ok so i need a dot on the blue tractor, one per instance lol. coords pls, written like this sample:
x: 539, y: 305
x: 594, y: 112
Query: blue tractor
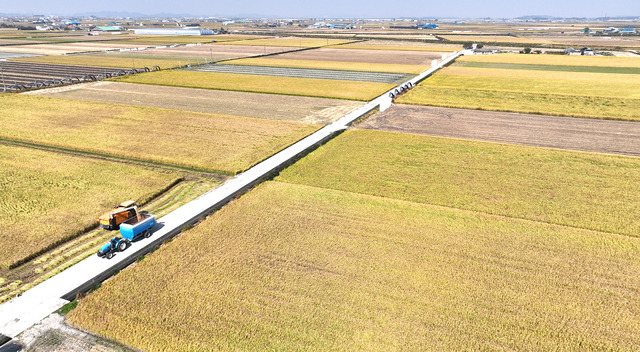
x: 115, y: 244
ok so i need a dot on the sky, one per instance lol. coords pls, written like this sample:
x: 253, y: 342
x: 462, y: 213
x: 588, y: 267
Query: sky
x: 332, y: 8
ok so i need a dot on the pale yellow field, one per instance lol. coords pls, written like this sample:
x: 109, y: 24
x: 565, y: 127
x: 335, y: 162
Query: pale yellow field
x: 330, y: 65
x: 289, y: 42
x: 604, y: 61
x: 398, y: 47
x: 104, y: 61
x: 494, y: 39
x: 167, y: 40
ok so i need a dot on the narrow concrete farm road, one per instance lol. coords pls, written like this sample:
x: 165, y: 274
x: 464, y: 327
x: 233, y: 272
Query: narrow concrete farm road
x: 37, y: 303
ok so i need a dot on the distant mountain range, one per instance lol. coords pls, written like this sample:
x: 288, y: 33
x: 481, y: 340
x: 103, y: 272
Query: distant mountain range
x: 124, y: 14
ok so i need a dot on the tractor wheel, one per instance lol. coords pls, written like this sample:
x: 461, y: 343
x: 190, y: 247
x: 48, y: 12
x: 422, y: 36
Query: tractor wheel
x: 109, y: 255
x: 147, y: 234
x: 122, y: 246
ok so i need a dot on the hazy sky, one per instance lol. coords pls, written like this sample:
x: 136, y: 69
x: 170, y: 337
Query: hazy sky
x: 333, y: 8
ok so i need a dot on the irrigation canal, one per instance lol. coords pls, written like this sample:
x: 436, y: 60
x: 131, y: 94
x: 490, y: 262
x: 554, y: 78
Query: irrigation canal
x: 22, y: 312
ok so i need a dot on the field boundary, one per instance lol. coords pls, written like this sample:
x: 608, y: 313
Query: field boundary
x: 111, y: 157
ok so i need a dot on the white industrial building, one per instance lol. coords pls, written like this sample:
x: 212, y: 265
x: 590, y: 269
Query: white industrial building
x: 175, y: 31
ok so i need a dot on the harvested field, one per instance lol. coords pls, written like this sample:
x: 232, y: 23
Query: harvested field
x: 106, y: 60
x: 164, y: 57
x: 602, y: 136
x: 365, y: 56
x: 569, y: 60
x: 4, y: 55
x: 195, y: 140
x: 379, y: 77
x: 495, y: 39
x: 46, y: 197
x: 581, y: 94
x: 213, y: 52
x: 582, y: 190
x: 18, y: 73
x: 400, y: 46
x: 66, y: 48
x: 293, y: 267
x: 598, y: 42
x: 330, y: 65
x: 7, y: 42
x: 267, y: 106
x: 188, y: 39
x: 322, y: 88
x: 294, y: 42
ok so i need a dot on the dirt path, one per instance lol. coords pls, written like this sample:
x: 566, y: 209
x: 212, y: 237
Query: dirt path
x: 591, y: 135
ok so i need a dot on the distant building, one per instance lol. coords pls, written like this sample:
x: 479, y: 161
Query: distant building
x: 109, y: 28
x: 175, y: 31
x: 628, y: 30
x: 571, y: 51
x: 342, y: 26
x: 610, y: 30
x: 584, y: 51
x: 484, y: 51
x: 587, y: 51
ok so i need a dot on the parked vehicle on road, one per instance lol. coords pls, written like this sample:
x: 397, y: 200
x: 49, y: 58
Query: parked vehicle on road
x: 136, y: 226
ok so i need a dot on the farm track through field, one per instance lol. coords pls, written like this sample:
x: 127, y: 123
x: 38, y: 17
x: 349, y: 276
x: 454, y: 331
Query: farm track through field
x: 572, y: 133
x: 305, y: 73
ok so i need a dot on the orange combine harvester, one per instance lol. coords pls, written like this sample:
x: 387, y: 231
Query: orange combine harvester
x: 111, y: 220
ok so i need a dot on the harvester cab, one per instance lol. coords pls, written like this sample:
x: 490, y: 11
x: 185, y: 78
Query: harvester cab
x: 124, y: 211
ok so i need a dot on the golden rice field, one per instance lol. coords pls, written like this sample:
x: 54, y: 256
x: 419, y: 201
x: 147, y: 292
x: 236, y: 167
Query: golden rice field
x: 567, y: 60
x: 294, y: 42
x: 330, y: 65
x: 534, y: 103
x: 294, y: 267
x: 47, y: 197
x: 321, y: 88
x: 583, y: 190
x: 584, y: 94
x: 109, y: 60
x: 198, y: 140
